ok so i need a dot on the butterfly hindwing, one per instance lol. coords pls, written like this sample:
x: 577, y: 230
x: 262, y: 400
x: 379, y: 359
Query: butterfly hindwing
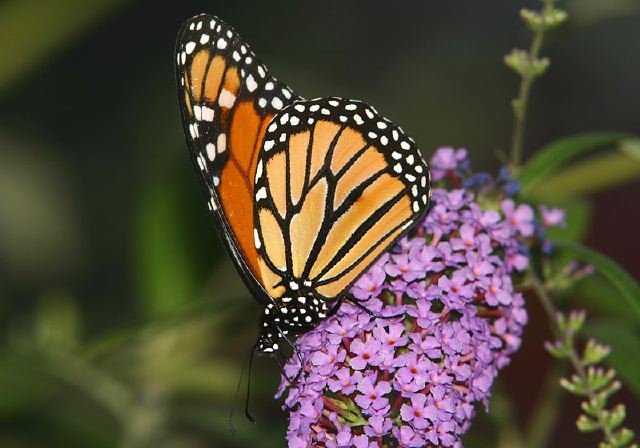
x: 336, y: 184
x: 227, y: 99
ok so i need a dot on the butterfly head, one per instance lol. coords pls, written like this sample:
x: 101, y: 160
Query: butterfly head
x: 288, y: 317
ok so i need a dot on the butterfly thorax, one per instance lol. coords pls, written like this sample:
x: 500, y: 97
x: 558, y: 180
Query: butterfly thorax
x: 289, y: 316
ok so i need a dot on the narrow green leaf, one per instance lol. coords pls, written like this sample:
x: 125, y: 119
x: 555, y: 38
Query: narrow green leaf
x: 546, y: 161
x: 627, y: 288
x: 166, y: 270
x: 595, y: 174
x: 595, y: 295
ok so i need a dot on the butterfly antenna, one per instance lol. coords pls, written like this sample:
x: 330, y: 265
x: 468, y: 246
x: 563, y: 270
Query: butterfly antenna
x: 246, y: 404
x: 232, y: 428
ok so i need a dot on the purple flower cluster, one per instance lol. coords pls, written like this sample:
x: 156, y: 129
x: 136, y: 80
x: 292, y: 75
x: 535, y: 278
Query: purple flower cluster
x: 410, y: 379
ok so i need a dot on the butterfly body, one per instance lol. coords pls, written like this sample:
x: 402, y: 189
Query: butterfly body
x: 306, y: 194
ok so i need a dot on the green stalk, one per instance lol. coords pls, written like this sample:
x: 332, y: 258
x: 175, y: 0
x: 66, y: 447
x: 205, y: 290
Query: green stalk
x: 572, y: 354
x: 521, y: 103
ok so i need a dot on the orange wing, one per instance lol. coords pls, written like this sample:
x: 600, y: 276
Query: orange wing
x: 336, y: 185
x: 227, y: 99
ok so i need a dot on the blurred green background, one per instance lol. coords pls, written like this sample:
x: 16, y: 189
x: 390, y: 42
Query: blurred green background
x: 122, y: 322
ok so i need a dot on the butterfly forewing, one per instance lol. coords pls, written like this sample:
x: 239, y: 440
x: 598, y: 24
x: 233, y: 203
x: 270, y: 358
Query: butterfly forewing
x: 227, y: 99
x: 336, y: 184
x: 306, y: 195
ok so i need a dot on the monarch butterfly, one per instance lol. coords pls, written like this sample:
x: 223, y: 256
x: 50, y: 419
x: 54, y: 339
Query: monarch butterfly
x: 305, y: 194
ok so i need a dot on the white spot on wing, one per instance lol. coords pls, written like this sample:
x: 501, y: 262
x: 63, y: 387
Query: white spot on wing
x: 251, y: 83
x: 222, y: 143
x: 197, y: 112
x: 207, y: 113
x: 211, y: 151
x: 261, y: 194
x: 226, y: 99
x: 256, y: 239
x: 277, y: 103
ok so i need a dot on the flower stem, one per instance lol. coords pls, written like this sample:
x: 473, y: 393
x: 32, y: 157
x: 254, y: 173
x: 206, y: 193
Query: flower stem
x: 571, y: 352
x: 521, y: 103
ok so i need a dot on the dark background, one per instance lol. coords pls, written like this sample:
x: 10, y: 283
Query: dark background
x: 111, y: 275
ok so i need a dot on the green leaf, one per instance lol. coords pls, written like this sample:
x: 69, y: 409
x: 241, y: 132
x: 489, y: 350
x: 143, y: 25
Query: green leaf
x: 546, y: 161
x: 594, y: 174
x: 624, y: 340
x: 166, y: 269
x: 627, y: 288
x: 58, y: 23
x: 594, y: 292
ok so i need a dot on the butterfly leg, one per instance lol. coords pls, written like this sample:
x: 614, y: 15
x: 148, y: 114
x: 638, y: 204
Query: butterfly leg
x: 296, y: 350
x: 282, y: 371
x: 334, y: 309
x: 358, y: 303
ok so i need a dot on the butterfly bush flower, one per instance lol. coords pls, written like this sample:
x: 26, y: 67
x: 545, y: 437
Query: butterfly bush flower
x: 445, y: 318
